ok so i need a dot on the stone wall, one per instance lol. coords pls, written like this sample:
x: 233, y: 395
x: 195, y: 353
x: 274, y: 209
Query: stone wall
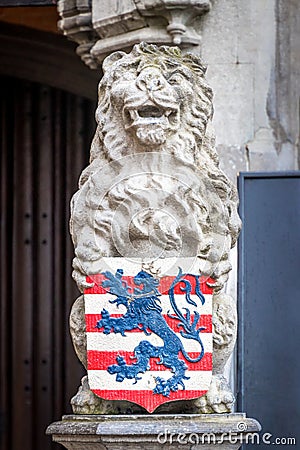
x: 252, y: 49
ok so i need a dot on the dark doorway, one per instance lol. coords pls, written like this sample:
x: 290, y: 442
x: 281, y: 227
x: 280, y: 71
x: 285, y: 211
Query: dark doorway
x: 46, y: 133
x: 269, y: 308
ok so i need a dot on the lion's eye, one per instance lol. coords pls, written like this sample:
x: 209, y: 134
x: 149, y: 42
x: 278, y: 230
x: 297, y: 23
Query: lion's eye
x: 175, y: 79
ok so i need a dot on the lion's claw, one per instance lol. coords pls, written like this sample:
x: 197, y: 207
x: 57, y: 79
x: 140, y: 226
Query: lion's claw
x: 219, y: 398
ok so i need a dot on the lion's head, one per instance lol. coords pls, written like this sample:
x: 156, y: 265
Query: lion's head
x: 157, y: 99
x: 154, y: 113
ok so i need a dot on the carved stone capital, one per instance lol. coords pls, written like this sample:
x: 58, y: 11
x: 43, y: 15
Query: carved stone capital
x: 100, y: 27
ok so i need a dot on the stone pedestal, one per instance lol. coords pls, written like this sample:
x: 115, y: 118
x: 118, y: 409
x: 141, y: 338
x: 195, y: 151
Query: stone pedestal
x: 107, y: 432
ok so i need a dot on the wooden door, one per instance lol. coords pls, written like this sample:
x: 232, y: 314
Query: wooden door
x: 45, y: 139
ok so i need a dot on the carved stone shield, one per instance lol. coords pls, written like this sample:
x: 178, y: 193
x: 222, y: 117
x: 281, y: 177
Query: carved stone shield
x: 149, y: 333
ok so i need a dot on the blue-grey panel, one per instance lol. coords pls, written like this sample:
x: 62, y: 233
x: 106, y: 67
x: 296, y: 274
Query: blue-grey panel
x: 269, y: 303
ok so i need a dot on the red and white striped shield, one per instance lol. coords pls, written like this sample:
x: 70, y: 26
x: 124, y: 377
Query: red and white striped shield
x: 149, y: 337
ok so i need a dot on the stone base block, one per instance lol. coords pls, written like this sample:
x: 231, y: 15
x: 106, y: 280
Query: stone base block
x: 155, y: 432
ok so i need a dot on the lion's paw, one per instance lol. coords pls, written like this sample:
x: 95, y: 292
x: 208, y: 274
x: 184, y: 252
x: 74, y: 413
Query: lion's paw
x: 165, y: 387
x: 86, y: 402
x: 79, y: 276
x: 162, y: 387
x: 218, y: 399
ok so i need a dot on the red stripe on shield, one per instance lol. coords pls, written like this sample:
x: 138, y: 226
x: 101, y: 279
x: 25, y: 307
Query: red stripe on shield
x: 164, y: 285
x: 142, y: 397
x: 205, y: 322
x: 98, y: 360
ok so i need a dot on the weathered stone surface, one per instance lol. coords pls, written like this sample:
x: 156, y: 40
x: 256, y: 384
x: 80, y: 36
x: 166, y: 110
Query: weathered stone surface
x: 233, y: 98
x: 233, y: 160
x: 226, y: 432
x: 262, y: 38
x: 154, y: 188
x: 111, y: 17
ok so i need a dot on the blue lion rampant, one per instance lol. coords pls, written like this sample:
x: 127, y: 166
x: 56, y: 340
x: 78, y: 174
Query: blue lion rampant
x: 145, y: 313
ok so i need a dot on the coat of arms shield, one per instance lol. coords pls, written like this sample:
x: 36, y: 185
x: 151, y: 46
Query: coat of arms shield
x: 149, y: 333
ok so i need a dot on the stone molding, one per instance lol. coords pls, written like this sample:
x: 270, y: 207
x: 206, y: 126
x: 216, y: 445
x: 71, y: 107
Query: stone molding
x: 102, y: 27
x: 226, y: 432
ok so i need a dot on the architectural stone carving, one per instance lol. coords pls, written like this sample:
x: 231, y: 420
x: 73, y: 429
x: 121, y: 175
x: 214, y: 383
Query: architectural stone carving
x: 100, y: 27
x: 154, y: 191
x: 76, y: 23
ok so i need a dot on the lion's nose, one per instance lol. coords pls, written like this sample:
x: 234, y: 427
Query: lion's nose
x: 150, y: 79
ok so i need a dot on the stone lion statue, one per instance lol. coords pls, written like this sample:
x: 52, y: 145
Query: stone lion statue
x: 154, y: 188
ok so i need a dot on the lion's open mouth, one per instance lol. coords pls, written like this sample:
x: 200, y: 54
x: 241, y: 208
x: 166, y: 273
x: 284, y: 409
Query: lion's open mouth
x: 150, y: 111
x: 150, y: 114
